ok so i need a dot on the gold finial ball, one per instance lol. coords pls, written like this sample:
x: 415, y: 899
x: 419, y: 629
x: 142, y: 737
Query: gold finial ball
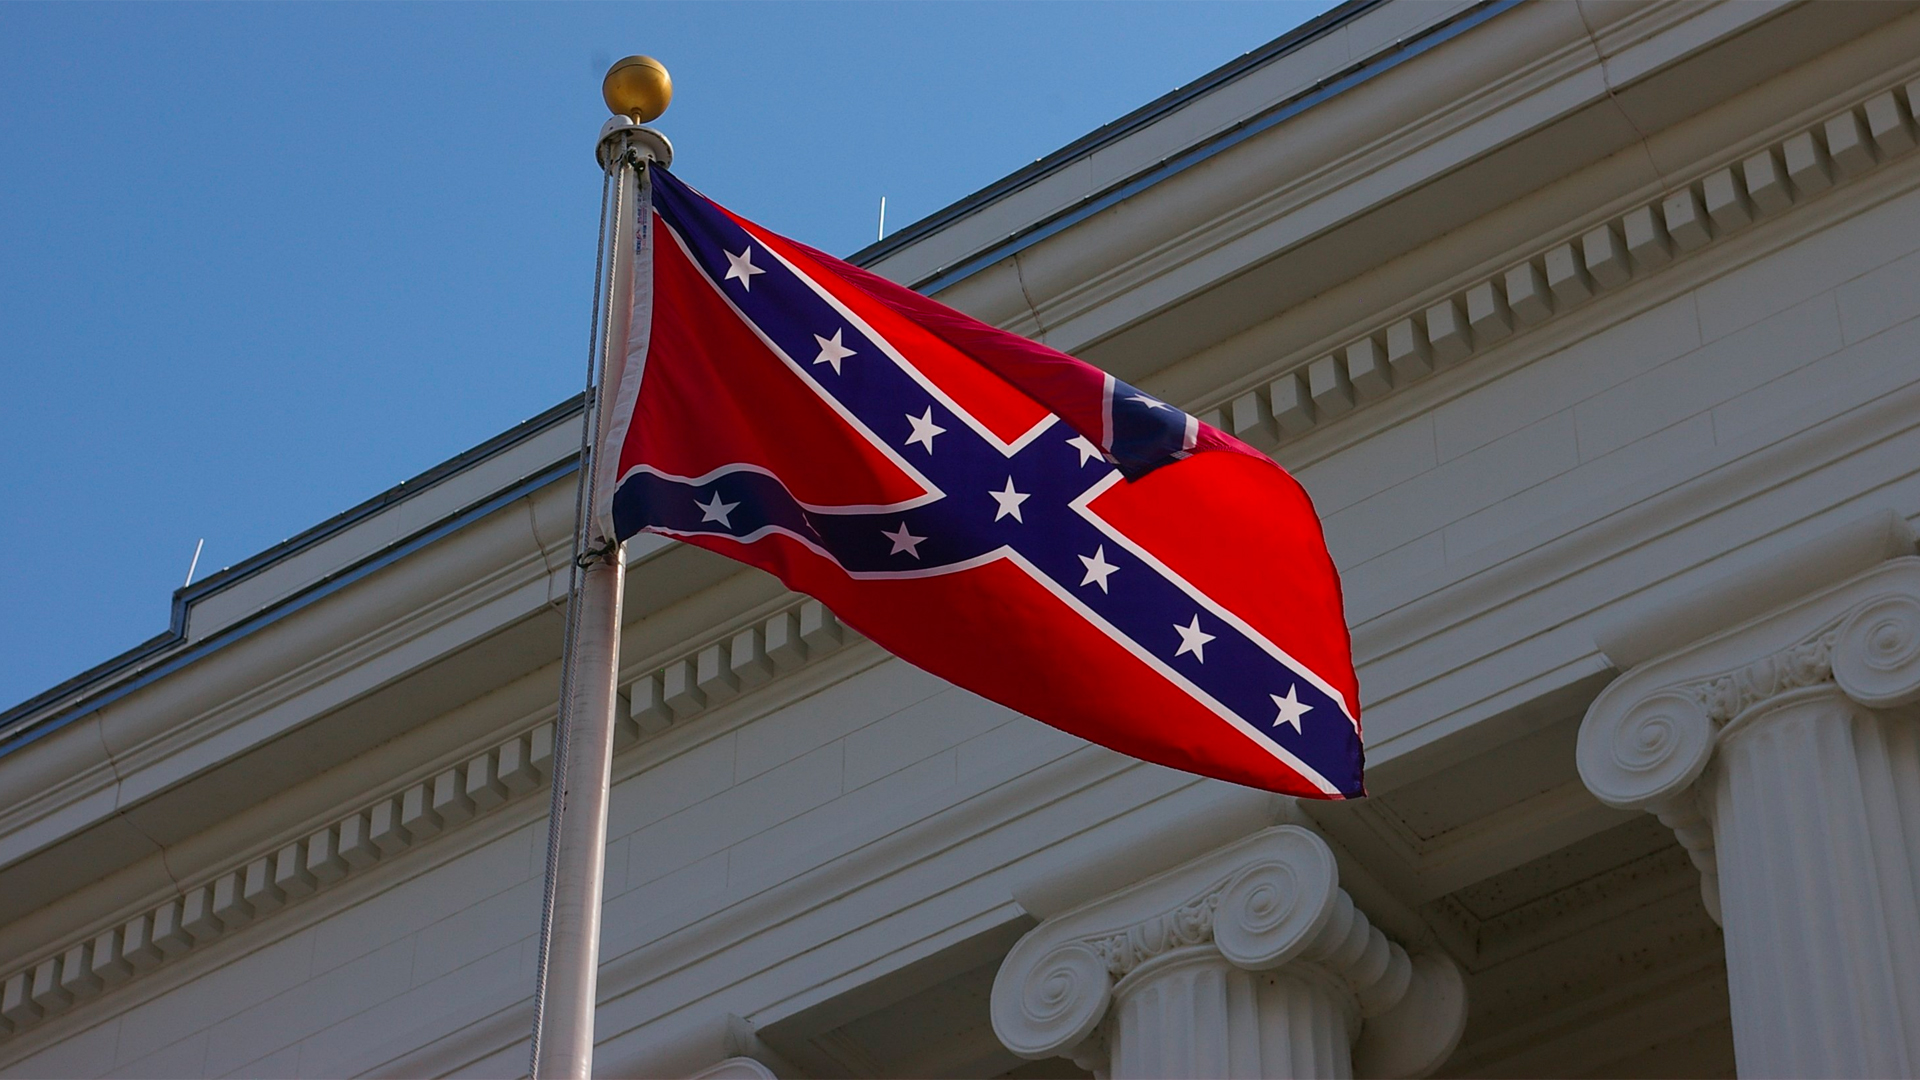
x: 638, y: 87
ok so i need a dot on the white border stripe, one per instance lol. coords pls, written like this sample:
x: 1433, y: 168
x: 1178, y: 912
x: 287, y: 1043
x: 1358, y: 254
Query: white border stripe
x: 742, y: 466
x: 1082, y: 506
x: 858, y: 575
x: 1279, y: 752
x: 1007, y: 449
x: 806, y: 377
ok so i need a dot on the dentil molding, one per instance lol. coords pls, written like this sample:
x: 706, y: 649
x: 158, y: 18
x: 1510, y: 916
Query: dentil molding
x: 270, y: 882
x: 1649, y: 737
x: 1304, y: 392
x: 1266, y: 902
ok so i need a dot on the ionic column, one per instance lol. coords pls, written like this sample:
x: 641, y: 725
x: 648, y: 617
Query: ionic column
x: 1249, y: 961
x: 1784, y: 753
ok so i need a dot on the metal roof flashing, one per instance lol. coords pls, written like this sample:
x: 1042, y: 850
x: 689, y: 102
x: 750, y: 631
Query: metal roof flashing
x: 1112, y: 132
x: 58, y: 705
x: 1327, y: 86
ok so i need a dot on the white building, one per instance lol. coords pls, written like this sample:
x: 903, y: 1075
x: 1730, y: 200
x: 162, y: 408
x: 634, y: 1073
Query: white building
x: 1592, y: 330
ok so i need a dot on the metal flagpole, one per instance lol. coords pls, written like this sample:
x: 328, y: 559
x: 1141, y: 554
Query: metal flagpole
x: 638, y: 89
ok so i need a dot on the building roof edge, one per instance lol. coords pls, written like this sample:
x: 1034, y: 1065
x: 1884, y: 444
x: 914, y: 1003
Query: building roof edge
x: 1113, y: 131
x: 12, y: 730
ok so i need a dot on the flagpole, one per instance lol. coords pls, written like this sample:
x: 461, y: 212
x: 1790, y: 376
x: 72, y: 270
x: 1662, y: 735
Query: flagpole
x: 636, y: 89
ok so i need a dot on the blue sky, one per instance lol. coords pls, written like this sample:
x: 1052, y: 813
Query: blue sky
x: 261, y: 262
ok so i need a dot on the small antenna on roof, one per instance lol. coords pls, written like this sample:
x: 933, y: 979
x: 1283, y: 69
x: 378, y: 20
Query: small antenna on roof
x: 195, y: 564
x: 883, y: 220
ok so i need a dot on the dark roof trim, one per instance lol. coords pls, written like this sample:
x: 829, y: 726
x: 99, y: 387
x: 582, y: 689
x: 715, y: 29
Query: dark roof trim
x: 1110, y: 133
x: 405, y: 489
x: 1385, y: 60
x: 14, y: 733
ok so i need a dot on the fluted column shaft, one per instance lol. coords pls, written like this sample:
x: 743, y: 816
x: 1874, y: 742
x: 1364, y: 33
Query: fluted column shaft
x: 1816, y: 810
x: 1785, y: 755
x: 1193, y: 1013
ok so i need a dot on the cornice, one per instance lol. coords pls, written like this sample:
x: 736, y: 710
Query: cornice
x: 423, y: 640
x: 1445, y: 151
x: 999, y: 827
x: 274, y: 881
x: 688, y: 685
x: 269, y: 882
x: 1397, y: 627
x: 1315, y: 388
x: 184, y: 641
x: 1291, y: 191
x: 1141, y: 119
x: 140, y: 743
x: 1637, y: 177
x: 119, y: 767
x: 1170, y: 166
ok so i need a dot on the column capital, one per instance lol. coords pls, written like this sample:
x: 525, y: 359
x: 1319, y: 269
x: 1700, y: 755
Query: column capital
x: 1649, y: 734
x: 1264, y: 902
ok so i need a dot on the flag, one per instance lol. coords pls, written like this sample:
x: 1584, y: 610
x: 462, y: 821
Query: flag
x: 1007, y: 517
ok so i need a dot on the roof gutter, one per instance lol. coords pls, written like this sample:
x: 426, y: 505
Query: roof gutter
x: 19, y: 726
x: 1383, y: 61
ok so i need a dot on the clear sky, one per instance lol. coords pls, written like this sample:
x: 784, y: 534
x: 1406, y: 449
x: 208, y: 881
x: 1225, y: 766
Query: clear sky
x: 261, y: 262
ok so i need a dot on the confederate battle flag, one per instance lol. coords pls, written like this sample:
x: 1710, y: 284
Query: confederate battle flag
x: 1003, y: 515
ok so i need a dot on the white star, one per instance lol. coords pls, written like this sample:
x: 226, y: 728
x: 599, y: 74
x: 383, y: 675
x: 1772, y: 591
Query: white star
x: 1009, y: 502
x: 741, y: 266
x: 1291, y: 709
x: 1098, y: 568
x: 1088, y: 451
x: 831, y: 351
x: 904, y: 541
x: 716, y: 510
x: 924, y: 429
x: 1151, y: 403
x: 1193, y: 640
